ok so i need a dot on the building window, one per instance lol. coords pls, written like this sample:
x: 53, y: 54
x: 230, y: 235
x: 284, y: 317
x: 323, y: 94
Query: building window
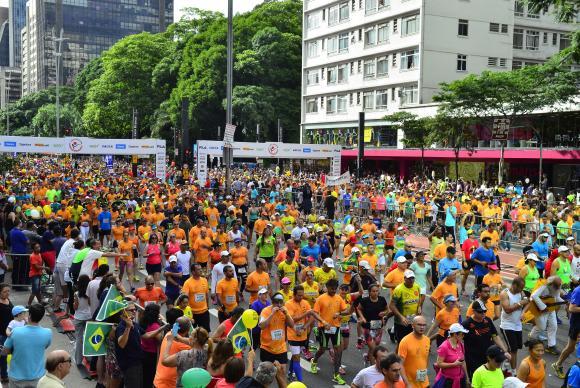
x: 312, y: 77
x: 532, y: 40
x: 312, y: 49
x: 516, y: 65
x: 409, y: 95
x: 532, y: 15
x: 492, y: 61
x: 368, y: 101
x: 410, y: 25
x: 341, y: 103
x: 518, y: 38
x: 342, y: 73
x: 332, y: 45
x: 519, y: 8
x: 410, y: 60
x: 383, y: 33
x: 394, y: 60
x: 395, y: 25
x: 381, y: 97
x: 493, y: 27
x: 545, y: 38
x: 333, y: 15
x: 564, y: 42
x: 504, y: 28
x: 461, y: 62
x: 463, y: 27
x: 311, y: 105
x: 393, y: 93
x: 312, y: 21
x: 554, y: 39
x: 331, y: 75
x: 370, y: 36
x: 343, y: 42
x: 502, y: 62
x: 373, y: 6
x: 331, y: 105
x: 382, y: 67
x: 370, y: 68
x: 344, y: 12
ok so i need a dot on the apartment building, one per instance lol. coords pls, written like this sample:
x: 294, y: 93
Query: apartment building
x: 380, y: 56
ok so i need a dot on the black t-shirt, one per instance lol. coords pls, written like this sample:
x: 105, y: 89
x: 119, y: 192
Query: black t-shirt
x: 248, y: 382
x: 372, y: 309
x: 330, y: 200
x: 132, y: 353
x: 5, y: 316
x: 478, y: 339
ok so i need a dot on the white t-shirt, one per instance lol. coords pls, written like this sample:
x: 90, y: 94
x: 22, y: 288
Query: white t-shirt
x: 368, y: 377
x: 575, y: 268
x: 87, y: 265
x: 92, y: 289
x: 14, y: 324
x: 184, y: 260
x: 67, y: 253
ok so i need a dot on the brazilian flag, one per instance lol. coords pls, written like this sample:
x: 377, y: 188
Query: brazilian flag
x: 348, y: 264
x: 240, y: 336
x: 95, y: 338
x: 107, y: 308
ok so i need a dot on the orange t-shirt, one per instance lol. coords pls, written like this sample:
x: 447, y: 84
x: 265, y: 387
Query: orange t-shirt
x: 239, y: 255
x: 178, y: 232
x: 259, y: 226
x: 213, y: 216
x: 127, y: 249
x: 295, y: 309
x: 255, y: 281
x: 202, y: 246
x: 328, y: 306
x: 273, y: 337
x: 196, y: 290
x: 444, y: 289
x: 415, y: 351
x: 398, y: 384
x: 446, y: 319
x: 118, y: 232
x: 494, y: 282
x: 396, y: 276
x: 145, y: 296
x: 227, y: 291
x: 166, y: 377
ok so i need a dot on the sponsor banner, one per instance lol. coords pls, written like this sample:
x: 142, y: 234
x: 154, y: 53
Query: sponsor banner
x: 338, y: 180
x: 229, y: 135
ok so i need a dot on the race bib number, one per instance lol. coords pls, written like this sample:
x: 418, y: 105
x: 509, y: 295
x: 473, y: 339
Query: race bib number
x: 298, y: 327
x: 242, y: 270
x: 344, y: 326
x: 421, y: 375
x: 332, y: 330
x: 365, y: 294
x: 230, y: 299
x: 373, y: 333
x: 276, y: 335
x: 376, y: 324
x: 199, y: 297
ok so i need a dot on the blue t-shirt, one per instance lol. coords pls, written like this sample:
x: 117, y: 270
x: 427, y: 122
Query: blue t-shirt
x: 132, y: 353
x: 447, y: 264
x: 104, y: 220
x: 402, y: 252
x: 18, y: 241
x: 575, y: 299
x: 482, y: 254
x: 28, y: 344
x: 313, y: 251
x: 346, y: 199
x: 574, y: 376
x: 172, y: 289
x: 543, y: 251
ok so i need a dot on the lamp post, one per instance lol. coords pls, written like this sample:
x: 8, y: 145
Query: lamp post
x: 58, y: 48
x: 230, y: 73
x: 7, y: 87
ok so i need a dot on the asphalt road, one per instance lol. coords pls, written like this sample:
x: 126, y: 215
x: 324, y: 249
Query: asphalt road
x: 352, y: 357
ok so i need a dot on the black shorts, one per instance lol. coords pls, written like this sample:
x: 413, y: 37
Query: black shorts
x: 324, y: 339
x: 303, y: 344
x: 401, y: 331
x: 467, y: 265
x: 152, y: 268
x: 105, y: 232
x: 95, y: 229
x: 513, y: 339
x: 268, y: 259
x: 202, y: 320
x: 573, y: 332
x: 391, y: 247
x: 265, y: 355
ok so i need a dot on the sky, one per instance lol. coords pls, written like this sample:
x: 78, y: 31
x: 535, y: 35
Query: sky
x: 213, y: 5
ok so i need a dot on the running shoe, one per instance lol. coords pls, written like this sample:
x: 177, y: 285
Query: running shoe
x: 553, y: 350
x: 291, y: 377
x: 559, y: 370
x: 342, y: 370
x: 359, y: 343
x: 338, y: 379
x: 313, y: 367
x: 136, y: 278
x: 391, y: 335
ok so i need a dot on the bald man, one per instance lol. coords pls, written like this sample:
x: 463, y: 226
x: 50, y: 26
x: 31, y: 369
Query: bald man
x: 150, y: 293
x: 58, y: 363
x: 414, y: 351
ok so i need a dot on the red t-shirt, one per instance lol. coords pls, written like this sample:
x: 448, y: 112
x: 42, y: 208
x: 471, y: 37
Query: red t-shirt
x: 469, y: 247
x: 35, y: 258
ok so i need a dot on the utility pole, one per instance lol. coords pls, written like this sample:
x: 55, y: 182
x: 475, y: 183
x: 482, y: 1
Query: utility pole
x: 7, y: 87
x: 230, y: 73
x: 279, y: 138
x: 58, y: 55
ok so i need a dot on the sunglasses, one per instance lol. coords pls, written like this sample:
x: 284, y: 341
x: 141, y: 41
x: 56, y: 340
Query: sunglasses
x: 149, y: 284
x: 69, y: 361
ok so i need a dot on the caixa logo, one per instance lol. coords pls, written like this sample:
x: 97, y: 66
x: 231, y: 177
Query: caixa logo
x: 9, y: 144
x: 120, y: 146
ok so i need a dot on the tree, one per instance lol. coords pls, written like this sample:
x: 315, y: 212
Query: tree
x: 418, y: 131
x: 44, y: 122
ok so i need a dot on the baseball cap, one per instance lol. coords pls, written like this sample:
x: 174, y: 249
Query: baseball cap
x: 354, y: 249
x: 401, y: 259
x: 409, y: 274
x: 513, y: 382
x: 237, y: 240
x: 478, y: 306
x: 545, y: 235
x: 496, y: 353
x: 532, y: 256
x: 285, y: 280
x: 457, y: 328
x: 493, y: 267
x: 400, y: 219
x: 470, y: 232
x: 563, y: 248
x: 224, y: 253
x: 18, y: 310
x: 449, y: 298
x: 365, y: 236
x: 172, y: 259
x: 310, y: 259
x: 400, y: 228
x: 321, y: 218
x: 352, y: 239
x: 328, y: 262
x: 364, y: 264
x: 278, y: 296
x: 570, y: 238
x: 262, y: 290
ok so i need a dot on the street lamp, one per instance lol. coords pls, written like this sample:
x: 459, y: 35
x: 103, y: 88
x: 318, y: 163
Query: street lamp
x: 7, y: 87
x: 58, y: 47
x: 228, y: 154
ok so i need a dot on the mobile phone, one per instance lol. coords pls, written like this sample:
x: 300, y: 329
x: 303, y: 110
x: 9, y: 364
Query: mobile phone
x: 175, y: 329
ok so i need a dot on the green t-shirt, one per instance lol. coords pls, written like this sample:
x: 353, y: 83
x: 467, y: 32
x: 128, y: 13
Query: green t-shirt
x: 563, y: 229
x: 485, y: 378
x: 266, y: 246
x: 407, y: 299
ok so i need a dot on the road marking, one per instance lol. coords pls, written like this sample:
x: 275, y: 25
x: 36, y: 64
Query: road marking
x: 213, y: 312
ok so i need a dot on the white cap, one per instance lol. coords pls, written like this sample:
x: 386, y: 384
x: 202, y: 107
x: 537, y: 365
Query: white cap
x: 354, y: 249
x: 563, y: 248
x: 570, y: 238
x: 328, y: 262
x: 172, y: 259
x: 514, y: 382
x: 545, y: 235
x: 262, y: 290
x: 457, y: 328
x: 401, y: 259
x: 321, y: 218
x: 224, y: 253
x: 232, y: 207
x: 400, y: 228
x: 532, y: 256
x: 409, y: 274
x: 400, y: 219
x: 365, y: 264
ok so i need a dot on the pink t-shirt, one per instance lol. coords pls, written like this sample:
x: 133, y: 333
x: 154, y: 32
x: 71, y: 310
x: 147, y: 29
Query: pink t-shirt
x: 223, y: 384
x: 381, y: 203
x: 172, y: 249
x: 154, y: 250
x: 449, y: 355
x: 150, y: 345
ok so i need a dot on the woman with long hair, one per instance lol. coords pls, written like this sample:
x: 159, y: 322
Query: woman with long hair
x: 150, y: 341
x: 82, y: 307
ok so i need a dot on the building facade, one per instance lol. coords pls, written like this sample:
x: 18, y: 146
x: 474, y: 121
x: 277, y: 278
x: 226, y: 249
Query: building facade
x: 88, y: 28
x: 16, y: 22
x: 382, y: 56
x: 4, y: 37
x: 10, y: 80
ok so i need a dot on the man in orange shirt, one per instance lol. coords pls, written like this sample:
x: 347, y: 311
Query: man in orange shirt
x: 197, y: 290
x: 446, y: 287
x: 274, y: 321
x: 201, y: 248
x: 239, y: 256
x: 260, y: 225
x: 150, y: 293
x: 258, y: 279
x: 414, y: 351
x: 396, y: 276
x: 301, y: 313
x: 391, y: 367
x: 213, y: 216
x: 195, y: 232
x: 227, y: 293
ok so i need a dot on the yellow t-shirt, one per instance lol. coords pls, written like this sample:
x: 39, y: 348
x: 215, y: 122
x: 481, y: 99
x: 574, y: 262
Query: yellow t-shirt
x: 322, y: 277
x: 289, y: 271
x: 311, y: 292
x: 407, y: 299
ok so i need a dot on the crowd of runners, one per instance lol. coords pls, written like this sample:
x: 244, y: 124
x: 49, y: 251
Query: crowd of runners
x: 329, y: 269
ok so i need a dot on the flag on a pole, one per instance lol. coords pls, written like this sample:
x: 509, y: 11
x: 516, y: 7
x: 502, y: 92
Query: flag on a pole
x: 108, y: 309
x: 239, y: 336
x: 95, y: 338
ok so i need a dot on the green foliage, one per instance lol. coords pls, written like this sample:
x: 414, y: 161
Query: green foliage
x: 44, y: 123
x: 92, y: 71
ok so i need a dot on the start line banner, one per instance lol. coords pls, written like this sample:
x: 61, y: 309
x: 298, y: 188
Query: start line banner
x: 88, y: 146
x: 338, y: 180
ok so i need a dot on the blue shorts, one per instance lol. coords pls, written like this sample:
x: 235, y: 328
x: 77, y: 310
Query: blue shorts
x: 35, y: 282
